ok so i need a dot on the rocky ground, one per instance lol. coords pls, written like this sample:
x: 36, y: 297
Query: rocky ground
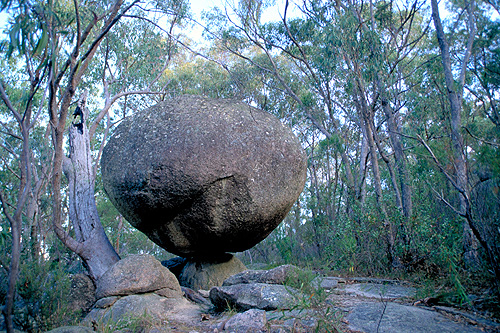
x: 340, y: 304
x: 351, y: 305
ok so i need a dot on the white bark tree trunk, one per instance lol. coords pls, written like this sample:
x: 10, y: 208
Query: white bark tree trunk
x: 94, y: 247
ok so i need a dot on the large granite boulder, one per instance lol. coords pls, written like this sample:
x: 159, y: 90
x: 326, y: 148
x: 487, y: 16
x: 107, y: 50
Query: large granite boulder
x: 201, y: 177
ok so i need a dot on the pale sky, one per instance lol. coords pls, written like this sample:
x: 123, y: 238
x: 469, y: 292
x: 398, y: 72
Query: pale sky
x: 273, y: 13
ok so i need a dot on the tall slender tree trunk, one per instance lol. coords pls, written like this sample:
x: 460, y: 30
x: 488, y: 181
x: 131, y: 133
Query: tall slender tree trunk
x: 455, y: 91
x: 399, y: 156
x: 95, y: 248
x: 367, y: 116
x: 15, y: 222
x: 361, y: 176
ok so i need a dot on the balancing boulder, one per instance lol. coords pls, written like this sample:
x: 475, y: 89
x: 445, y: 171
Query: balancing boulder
x: 201, y: 177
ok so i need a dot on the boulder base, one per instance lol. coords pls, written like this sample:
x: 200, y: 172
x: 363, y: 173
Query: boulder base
x: 202, y: 177
x: 207, y: 274
x: 144, y: 309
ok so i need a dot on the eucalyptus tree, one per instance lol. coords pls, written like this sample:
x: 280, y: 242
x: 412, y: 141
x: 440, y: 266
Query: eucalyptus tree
x: 22, y: 113
x: 56, y: 43
x: 346, y: 56
x: 455, y: 81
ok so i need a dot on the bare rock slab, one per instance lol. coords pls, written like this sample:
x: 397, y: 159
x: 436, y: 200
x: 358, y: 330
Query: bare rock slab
x: 392, y: 317
x: 380, y: 291
x: 151, y: 307
x: 260, y: 296
x: 138, y: 274
x: 72, y: 329
x: 277, y: 275
x: 202, y: 177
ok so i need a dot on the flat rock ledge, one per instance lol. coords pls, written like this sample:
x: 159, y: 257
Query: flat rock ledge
x: 260, y: 296
x: 352, y: 305
x: 278, y: 275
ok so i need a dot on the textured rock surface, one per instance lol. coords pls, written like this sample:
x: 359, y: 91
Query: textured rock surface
x: 72, y: 329
x: 138, y: 274
x: 82, y: 293
x: 380, y: 291
x: 254, y: 296
x: 277, y: 275
x: 207, y: 274
x: 151, y: 307
x: 393, y: 317
x: 201, y: 177
x: 249, y: 321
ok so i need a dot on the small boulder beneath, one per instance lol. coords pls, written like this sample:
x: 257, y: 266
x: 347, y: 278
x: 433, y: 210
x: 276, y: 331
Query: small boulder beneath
x: 205, y: 274
x: 249, y: 321
x: 138, y: 274
x: 195, y: 296
x: 261, y: 296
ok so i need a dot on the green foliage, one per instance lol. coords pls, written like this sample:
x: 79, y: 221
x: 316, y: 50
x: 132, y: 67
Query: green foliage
x: 44, y: 292
x: 313, y: 300
x: 133, y: 323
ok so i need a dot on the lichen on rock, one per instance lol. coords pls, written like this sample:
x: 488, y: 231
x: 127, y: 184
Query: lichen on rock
x: 202, y: 177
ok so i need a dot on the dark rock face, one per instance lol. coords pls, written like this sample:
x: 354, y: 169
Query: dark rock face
x: 82, y: 294
x: 175, y: 265
x: 207, y: 274
x: 201, y: 177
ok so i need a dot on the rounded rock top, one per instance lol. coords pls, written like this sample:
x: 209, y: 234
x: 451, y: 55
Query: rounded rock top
x: 201, y: 177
